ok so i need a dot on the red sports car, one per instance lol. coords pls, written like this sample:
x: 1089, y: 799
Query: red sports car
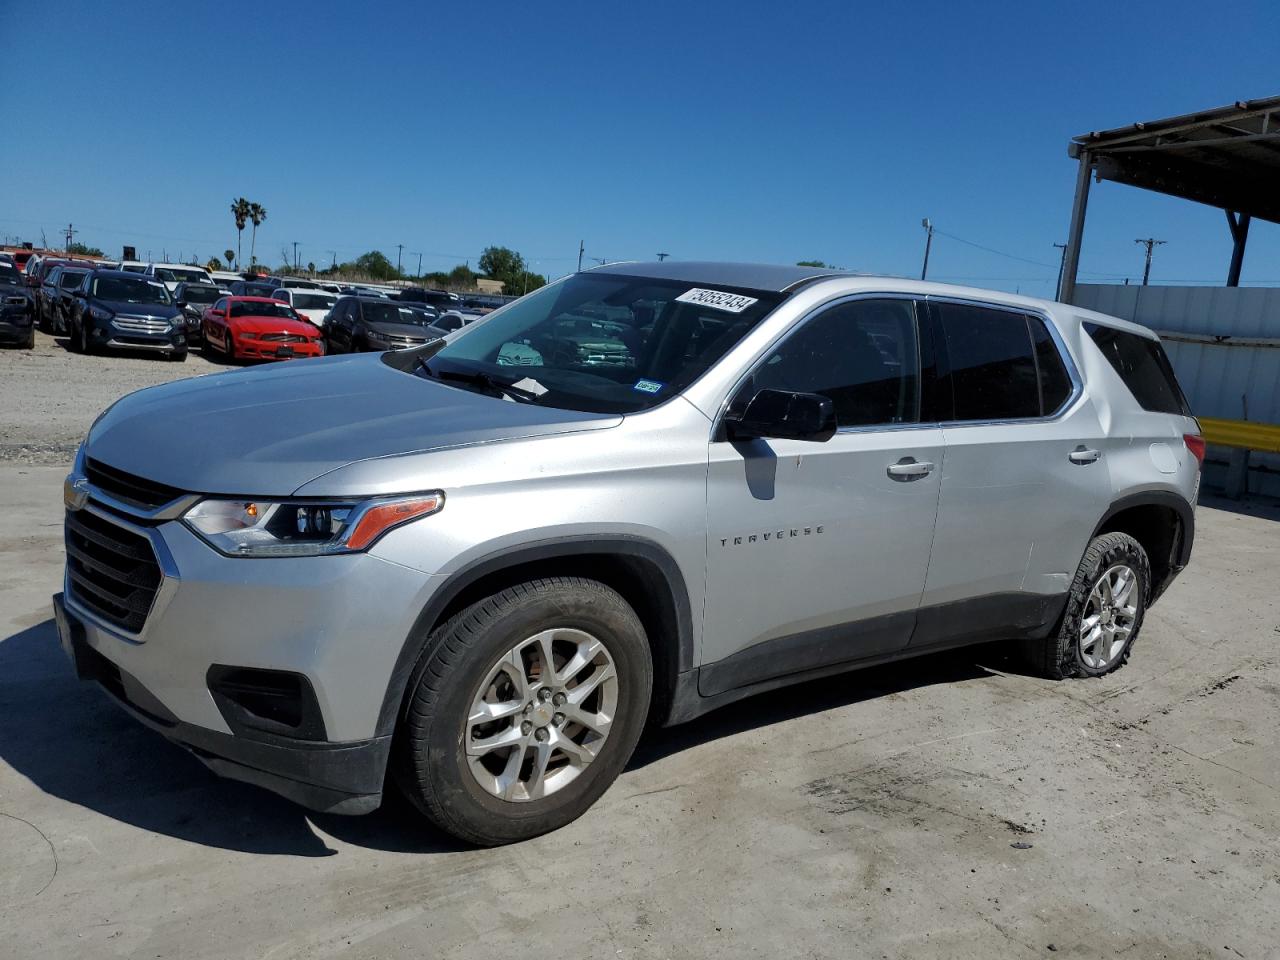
x: 258, y: 328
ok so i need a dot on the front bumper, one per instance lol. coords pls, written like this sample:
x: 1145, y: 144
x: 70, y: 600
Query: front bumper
x: 329, y: 777
x: 248, y: 348
x: 15, y: 329
x: 337, y: 622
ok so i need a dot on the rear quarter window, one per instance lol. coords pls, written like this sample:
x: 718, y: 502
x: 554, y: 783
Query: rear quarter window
x: 1144, y: 368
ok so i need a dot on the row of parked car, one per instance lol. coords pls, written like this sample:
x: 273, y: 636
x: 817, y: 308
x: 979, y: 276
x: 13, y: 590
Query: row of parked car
x: 170, y: 308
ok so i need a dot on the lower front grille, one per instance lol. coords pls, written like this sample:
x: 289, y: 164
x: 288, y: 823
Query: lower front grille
x: 111, y: 571
x: 283, y: 338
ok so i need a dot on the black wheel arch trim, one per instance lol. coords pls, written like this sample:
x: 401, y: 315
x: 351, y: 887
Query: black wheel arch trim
x: 414, y: 647
x: 1160, y: 498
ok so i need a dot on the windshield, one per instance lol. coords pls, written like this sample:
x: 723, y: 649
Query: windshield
x: 172, y: 276
x: 258, y: 308
x: 312, y: 301
x: 129, y: 290
x: 200, y: 293
x: 604, y: 343
x: 396, y: 313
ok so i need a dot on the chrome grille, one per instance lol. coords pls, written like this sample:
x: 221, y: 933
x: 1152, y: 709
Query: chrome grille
x: 111, y: 571
x: 133, y: 490
x: 151, y: 325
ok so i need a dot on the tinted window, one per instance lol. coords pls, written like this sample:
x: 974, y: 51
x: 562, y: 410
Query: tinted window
x: 1143, y: 367
x: 1055, y: 382
x: 200, y: 293
x: 312, y: 301
x: 863, y: 355
x: 69, y: 281
x: 8, y: 273
x: 991, y: 368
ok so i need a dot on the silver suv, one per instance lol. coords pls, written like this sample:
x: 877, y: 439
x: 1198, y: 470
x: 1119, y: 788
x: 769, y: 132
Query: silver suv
x: 480, y: 579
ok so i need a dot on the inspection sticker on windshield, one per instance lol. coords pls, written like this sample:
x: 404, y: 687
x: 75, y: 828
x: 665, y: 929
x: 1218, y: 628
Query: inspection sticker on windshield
x: 647, y: 386
x: 717, y: 299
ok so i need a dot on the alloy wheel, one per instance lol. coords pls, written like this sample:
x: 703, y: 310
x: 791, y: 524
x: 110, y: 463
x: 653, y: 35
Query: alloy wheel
x: 541, y: 715
x: 1109, y: 616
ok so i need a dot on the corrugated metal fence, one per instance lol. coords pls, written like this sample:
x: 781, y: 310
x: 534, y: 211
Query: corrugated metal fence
x: 1224, y: 344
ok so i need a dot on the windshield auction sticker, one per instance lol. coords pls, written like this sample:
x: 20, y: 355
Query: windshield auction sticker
x: 717, y: 299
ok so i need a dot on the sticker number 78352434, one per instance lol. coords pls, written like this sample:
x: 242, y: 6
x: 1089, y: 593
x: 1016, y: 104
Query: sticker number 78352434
x: 717, y: 299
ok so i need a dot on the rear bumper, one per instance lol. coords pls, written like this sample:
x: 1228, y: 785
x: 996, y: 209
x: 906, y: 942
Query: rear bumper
x: 330, y: 777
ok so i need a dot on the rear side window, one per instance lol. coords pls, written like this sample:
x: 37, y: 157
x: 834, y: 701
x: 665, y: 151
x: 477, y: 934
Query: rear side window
x: 991, y: 367
x: 1144, y: 368
x: 1055, y: 382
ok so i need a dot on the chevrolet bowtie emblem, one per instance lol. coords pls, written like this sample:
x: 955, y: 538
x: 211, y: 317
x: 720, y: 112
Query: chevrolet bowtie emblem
x: 75, y: 492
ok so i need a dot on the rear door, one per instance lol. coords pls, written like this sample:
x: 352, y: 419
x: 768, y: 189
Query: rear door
x: 1023, y: 480
x: 817, y: 552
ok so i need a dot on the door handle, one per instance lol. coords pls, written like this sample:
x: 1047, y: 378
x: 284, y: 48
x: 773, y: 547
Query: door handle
x: 1084, y: 456
x: 910, y: 469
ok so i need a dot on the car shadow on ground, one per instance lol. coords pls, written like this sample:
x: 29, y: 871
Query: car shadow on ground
x: 72, y: 742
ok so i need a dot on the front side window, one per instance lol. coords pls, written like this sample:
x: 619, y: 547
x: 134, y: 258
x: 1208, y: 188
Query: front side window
x: 71, y: 281
x: 129, y: 290
x: 864, y: 355
x: 990, y: 372
x: 601, y: 342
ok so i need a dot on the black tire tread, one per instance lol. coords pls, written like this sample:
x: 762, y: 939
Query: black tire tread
x: 446, y: 649
x: 1055, y: 657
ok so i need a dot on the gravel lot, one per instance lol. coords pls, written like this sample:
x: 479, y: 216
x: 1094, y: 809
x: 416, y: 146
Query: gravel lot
x: 950, y: 807
x: 49, y: 395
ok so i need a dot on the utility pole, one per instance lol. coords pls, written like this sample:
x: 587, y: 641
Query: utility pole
x: 419, y: 256
x: 71, y: 232
x: 1151, y: 243
x: 399, y: 248
x: 334, y: 255
x: 295, y: 256
x: 928, y: 242
x: 662, y: 256
x: 581, y: 247
x: 1062, y: 263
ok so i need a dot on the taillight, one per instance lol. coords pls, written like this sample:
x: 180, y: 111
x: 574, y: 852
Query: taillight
x: 1195, y: 443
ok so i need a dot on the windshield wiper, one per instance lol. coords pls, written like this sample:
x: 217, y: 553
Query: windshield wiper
x: 481, y: 379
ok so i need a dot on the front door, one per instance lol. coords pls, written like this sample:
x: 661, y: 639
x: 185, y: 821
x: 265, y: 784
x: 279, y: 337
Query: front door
x: 817, y: 552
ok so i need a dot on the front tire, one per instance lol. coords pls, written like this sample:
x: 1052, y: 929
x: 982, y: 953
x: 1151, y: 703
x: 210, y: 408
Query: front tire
x: 1105, y: 609
x: 526, y: 707
x: 83, y: 344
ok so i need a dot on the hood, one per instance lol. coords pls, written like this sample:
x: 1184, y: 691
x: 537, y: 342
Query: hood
x: 411, y: 330
x: 300, y: 328
x: 161, y: 310
x: 267, y: 431
x: 315, y: 314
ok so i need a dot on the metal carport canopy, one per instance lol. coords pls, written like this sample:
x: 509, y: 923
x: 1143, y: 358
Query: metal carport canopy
x: 1227, y: 157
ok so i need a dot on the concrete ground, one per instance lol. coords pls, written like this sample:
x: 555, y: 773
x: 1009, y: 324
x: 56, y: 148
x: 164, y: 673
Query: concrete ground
x: 950, y: 807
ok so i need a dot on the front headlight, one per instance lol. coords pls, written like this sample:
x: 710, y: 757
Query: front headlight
x: 303, y: 528
x: 99, y: 314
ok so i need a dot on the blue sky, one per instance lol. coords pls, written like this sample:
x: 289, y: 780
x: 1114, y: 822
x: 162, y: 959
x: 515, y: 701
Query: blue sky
x: 726, y: 130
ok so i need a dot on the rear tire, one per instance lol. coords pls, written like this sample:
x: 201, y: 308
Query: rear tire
x: 550, y: 768
x: 1105, y: 609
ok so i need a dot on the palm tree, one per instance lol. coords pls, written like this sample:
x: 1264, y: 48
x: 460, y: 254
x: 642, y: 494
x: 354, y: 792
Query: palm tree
x: 257, y: 213
x: 229, y: 256
x: 240, y: 210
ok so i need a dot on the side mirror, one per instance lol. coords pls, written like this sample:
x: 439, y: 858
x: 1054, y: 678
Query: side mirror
x: 180, y: 304
x: 784, y: 415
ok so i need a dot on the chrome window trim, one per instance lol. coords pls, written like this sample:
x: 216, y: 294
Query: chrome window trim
x: 784, y: 335
x: 1073, y: 373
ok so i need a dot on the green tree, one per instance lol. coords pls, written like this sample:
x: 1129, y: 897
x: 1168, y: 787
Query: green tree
x: 229, y: 256
x: 502, y: 263
x: 240, y: 210
x: 814, y: 263
x: 213, y: 263
x: 257, y: 213
x: 83, y: 250
x: 461, y: 276
x: 311, y: 268
x: 376, y: 264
